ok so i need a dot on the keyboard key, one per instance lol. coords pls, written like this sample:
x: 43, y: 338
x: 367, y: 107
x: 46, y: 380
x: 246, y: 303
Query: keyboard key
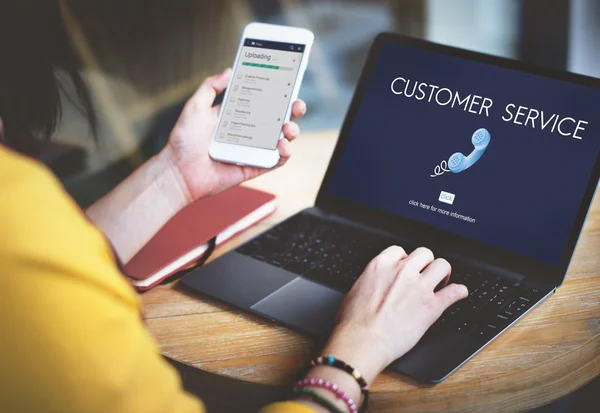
x: 486, y: 331
x: 300, y: 266
x: 454, y: 310
x: 476, y: 305
x: 287, y: 257
x: 465, y: 327
x: 521, y: 308
x: 276, y: 263
x: 510, y: 315
x: 480, y: 332
x: 473, y: 292
x: 492, y: 328
x: 501, y: 320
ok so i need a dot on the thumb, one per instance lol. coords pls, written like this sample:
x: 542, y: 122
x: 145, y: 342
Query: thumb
x: 451, y: 294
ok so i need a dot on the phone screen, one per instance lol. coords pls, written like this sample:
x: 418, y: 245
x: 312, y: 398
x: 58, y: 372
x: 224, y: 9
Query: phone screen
x: 260, y: 93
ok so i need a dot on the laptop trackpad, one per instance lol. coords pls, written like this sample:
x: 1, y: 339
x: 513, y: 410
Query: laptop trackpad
x: 304, y: 305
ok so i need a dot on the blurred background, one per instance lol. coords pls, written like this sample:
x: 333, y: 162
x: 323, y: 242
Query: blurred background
x: 143, y: 58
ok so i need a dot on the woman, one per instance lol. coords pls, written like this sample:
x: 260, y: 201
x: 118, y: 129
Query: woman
x: 72, y: 336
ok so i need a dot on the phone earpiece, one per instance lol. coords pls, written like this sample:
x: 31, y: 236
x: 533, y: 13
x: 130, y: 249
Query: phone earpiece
x: 481, y: 138
x: 458, y: 162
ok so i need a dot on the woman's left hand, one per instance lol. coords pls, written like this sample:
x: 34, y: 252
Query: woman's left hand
x: 187, y: 148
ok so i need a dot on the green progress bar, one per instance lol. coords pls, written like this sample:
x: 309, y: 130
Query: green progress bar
x: 260, y: 65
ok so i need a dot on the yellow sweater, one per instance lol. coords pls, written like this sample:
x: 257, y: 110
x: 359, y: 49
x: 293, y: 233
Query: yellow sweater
x: 71, y: 333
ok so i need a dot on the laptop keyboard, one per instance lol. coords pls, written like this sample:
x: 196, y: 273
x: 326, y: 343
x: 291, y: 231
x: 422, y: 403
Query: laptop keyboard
x: 494, y: 302
x: 336, y: 255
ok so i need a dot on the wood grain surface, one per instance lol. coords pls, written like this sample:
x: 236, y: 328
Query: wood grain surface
x: 550, y: 353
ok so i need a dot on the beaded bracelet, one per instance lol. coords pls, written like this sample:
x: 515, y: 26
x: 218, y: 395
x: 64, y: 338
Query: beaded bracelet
x: 332, y: 387
x: 317, y: 398
x: 339, y: 364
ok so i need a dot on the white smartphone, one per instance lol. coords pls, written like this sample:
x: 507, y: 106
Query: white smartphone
x: 266, y: 78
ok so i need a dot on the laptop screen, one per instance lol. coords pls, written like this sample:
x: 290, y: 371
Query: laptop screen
x: 497, y: 155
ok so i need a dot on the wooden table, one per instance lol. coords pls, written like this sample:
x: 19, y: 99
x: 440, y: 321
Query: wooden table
x: 552, y: 352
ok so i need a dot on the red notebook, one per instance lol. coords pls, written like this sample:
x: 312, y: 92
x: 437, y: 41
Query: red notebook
x: 184, y: 239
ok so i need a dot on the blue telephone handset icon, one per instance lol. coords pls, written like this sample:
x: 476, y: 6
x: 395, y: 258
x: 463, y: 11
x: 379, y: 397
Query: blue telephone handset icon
x: 459, y: 162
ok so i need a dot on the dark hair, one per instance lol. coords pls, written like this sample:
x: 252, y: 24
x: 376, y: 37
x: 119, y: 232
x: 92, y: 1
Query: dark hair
x: 34, y: 46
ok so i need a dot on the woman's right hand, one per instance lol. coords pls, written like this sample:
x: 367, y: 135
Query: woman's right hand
x: 384, y: 315
x: 390, y: 307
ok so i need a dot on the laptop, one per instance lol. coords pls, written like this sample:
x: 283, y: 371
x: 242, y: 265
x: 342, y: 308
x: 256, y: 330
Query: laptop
x: 491, y: 163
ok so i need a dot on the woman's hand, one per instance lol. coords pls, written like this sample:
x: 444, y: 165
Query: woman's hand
x: 181, y: 173
x: 187, y: 149
x: 384, y: 315
x: 390, y: 307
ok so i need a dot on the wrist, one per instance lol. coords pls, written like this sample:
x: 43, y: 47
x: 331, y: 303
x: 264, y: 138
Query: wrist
x: 175, y: 183
x: 353, y: 349
x: 138, y: 207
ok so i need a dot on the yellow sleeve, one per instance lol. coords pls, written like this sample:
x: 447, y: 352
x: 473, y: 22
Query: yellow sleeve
x: 71, y: 334
x: 287, y: 407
